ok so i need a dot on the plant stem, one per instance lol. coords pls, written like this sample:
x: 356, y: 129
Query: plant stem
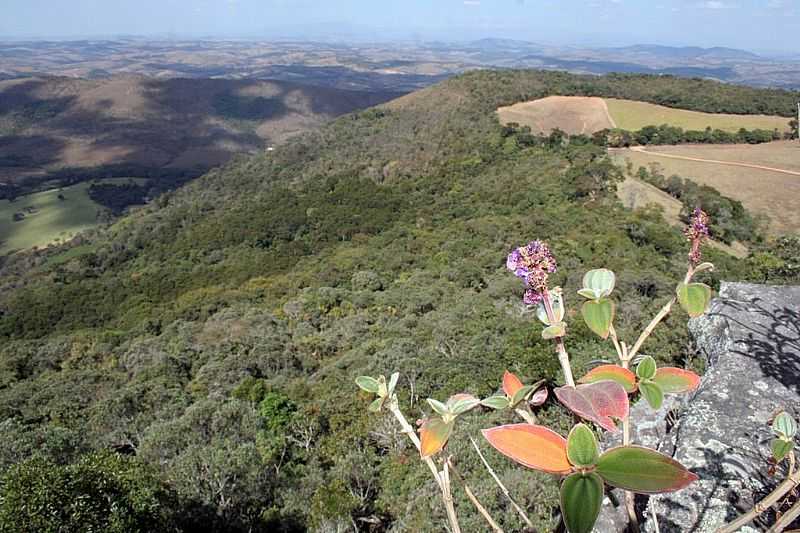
x: 787, y: 518
x: 500, y: 484
x: 780, y: 491
x: 441, y: 477
x: 481, y: 509
x: 613, y: 333
x: 626, y: 440
x: 653, y: 513
x: 561, y: 350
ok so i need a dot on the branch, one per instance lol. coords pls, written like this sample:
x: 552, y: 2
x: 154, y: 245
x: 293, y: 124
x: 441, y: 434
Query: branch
x: 789, y: 484
x: 481, y: 509
x: 502, y: 487
x: 786, y: 519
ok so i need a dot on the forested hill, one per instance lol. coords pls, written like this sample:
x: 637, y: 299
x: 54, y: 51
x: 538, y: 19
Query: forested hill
x: 191, y: 367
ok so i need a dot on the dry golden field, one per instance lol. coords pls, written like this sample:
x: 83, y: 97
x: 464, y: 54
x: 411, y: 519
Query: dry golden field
x: 765, y: 177
x: 572, y: 114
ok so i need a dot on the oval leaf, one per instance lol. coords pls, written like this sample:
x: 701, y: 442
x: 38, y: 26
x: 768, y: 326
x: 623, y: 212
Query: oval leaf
x: 376, y: 405
x: 511, y: 384
x: 600, y: 281
x: 780, y: 448
x: 461, y: 403
x: 554, y: 331
x: 676, y: 380
x: 368, y: 384
x: 623, y: 376
x: 433, y: 435
x: 539, y: 397
x: 785, y: 425
x: 438, y: 406
x: 581, y: 498
x: 643, y: 470
x: 521, y: 394
x: 598, y: 315
x: 582, y: 446
x: 652, y: 393
x: 393, y: 382
x: 588, y: 294
x: 533, y: 446
x: 596, y: 402
x: 557, y: 305
x: 495, y: 402
x: 694, y: 298
x: 646, y: 369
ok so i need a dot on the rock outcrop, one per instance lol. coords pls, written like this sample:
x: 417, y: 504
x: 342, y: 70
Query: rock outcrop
x: 751, y: 340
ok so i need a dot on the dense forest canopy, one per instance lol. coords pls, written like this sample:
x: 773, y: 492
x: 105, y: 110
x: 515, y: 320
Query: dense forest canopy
x: 194, y: 362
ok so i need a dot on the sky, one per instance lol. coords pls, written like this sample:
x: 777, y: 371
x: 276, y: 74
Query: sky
x: 759, y: 25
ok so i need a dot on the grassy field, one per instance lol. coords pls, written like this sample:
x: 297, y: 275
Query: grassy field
x: 47, y: 218
x: 765, y: 192
x: 578, y: 114
x: 632, y: 115
x: 572, y: 114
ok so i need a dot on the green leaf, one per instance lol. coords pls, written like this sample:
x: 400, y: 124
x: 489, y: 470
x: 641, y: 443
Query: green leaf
x: 368, y: 384
x: 393, y: 382
x: 600, y: 281
x: 496, y: 402
x: 438, y: 406
x: 376, y: 405
x: 582, y: 446
x: 785, y: 425
x: 556, y: 303
x: 433, y: 435
x: 581, y: 498
x: 694, y: 298
x: 523, y: 393
x: 588, y: 294
x: 461, y: 403
x: 552, y: 332
x: 676, y: 380
x: 642, y: 470
x: 781, y: 448
x: 598, y: 315
x: 652, y: 393
x: 646, y: 369
x: 704, y: 266
x: 383, y: 390
x: 623, y: 376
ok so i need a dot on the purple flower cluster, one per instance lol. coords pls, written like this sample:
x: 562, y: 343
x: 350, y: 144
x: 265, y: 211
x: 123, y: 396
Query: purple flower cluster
x: 696, y: 233
x: 532, y: 263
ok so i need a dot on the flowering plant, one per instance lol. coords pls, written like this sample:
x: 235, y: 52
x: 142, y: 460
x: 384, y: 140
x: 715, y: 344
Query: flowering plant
x: 600, y: 398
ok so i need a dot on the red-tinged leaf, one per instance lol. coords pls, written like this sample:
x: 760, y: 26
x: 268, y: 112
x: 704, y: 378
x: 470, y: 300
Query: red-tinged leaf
x: 433, y: 435
x: 533, y: 446
x: 676, y: 380
x: 596, y: 402
x: 511, y: 384
x: 643, y: 470
x: 623, y: 376
x: 539, y: 397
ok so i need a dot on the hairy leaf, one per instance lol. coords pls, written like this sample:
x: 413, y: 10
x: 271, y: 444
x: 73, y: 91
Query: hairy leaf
x: 539, y: 397
x: 376, y: 405
x: 433, y: 435
x: 556, y: 304
x: 676, y: 380
x: 596, y: 402
x: 694, y: 298
x: 554, y: 331
x: 533, y: 446
x: 511, y: 384
x: 642, y: 470
x: 652, y: 393
x: 438, y: 406
x: 581, y: 498
x: 582, y: 446
x: 393, y: 382
x: 459, y: 404
x: 496, y: 402
x: 623, y: 376
x: 785, y: 425
x: 781, y: 448
x: 368, y: 384
x: 600, y: 281
x: 599, y: 315
x: 646, y: 369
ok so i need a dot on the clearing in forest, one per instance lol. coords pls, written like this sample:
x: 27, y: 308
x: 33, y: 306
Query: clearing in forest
x: 586, y: 115
x: 764, y: 177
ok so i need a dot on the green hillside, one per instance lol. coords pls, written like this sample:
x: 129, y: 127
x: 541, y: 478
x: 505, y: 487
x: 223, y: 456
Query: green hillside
x: 212, y: 338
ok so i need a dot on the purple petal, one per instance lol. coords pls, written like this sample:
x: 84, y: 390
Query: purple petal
x: 512, y: 261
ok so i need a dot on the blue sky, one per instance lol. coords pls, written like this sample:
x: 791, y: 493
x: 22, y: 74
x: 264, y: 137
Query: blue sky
x: 751, y: 24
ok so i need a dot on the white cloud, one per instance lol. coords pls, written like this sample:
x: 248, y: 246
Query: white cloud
x: 716, y: 4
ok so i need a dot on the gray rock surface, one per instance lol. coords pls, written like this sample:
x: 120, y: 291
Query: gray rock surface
x: 751, y: 340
